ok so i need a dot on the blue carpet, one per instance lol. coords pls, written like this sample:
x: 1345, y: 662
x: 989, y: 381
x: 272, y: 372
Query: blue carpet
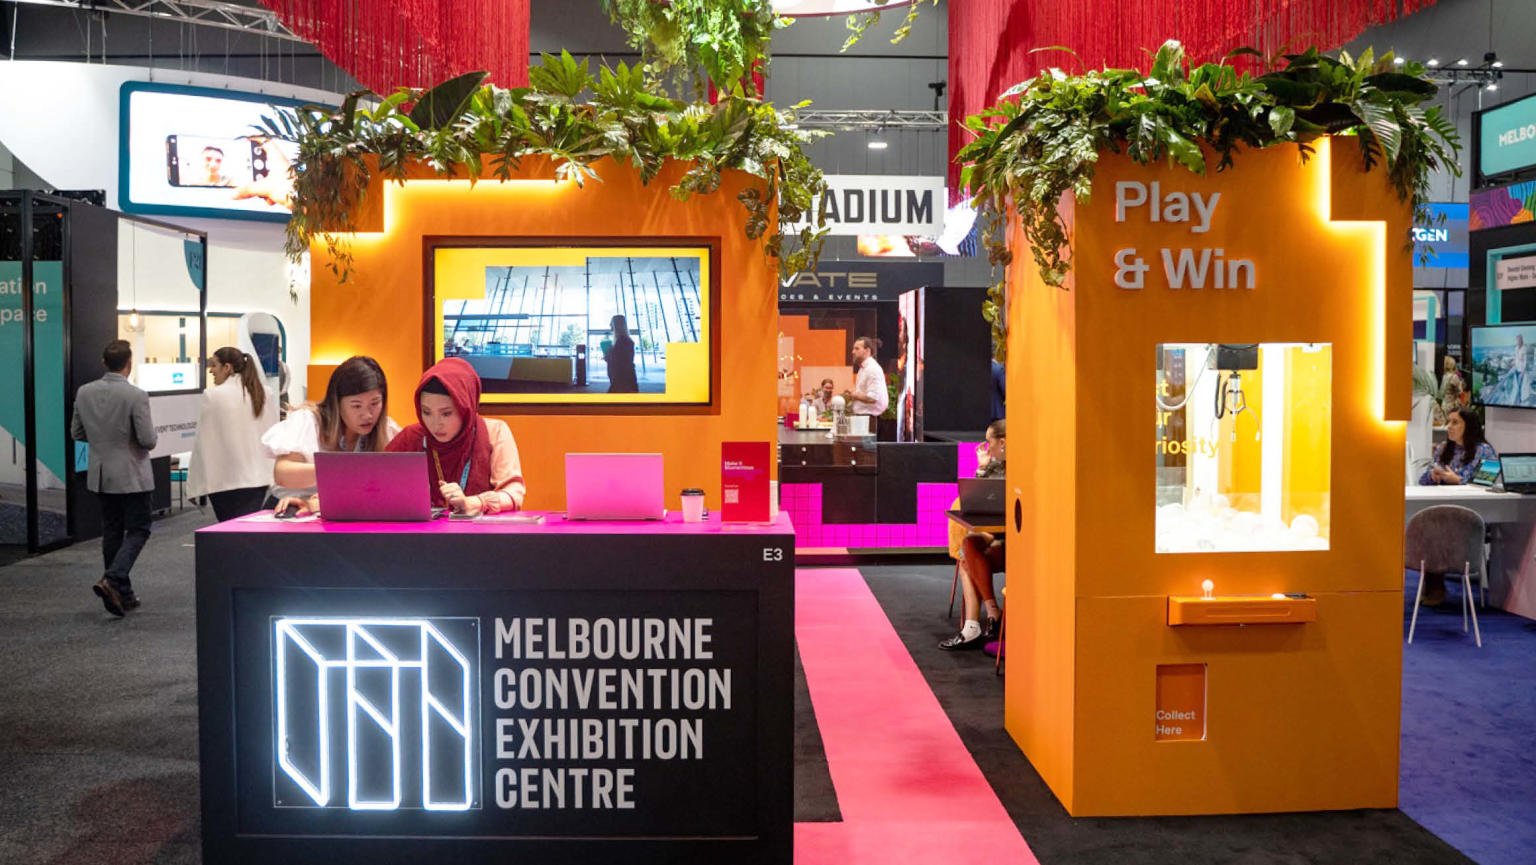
x: 1469, y: 730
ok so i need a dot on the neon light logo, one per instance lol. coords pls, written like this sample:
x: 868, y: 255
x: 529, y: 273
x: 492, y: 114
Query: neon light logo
x: 398, y: 695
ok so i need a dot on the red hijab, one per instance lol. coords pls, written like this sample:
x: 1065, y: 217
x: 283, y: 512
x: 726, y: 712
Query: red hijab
x: 472, y: 445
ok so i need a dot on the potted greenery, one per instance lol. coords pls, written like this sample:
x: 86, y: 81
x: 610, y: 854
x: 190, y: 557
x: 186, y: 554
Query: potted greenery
x: 1044, y: 137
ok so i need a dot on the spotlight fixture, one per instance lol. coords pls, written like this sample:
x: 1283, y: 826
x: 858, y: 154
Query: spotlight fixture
x: 1493, y: 86
x: 1398, y: 61
x: 1461, y: 61
x: 1432, y: 62
x: 1498, y: 64
x: 878, y: 144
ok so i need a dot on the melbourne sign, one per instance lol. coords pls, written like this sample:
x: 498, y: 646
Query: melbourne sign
x: 1506, y: 138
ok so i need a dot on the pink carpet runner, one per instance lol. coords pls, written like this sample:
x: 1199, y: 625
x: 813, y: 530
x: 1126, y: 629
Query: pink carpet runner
x: 906, y: 785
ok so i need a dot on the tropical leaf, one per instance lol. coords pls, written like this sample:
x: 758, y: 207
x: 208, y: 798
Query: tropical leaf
x: 444, y: 103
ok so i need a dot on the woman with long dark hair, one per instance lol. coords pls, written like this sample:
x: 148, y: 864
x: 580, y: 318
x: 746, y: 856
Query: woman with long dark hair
x: 229, y: 465
x: 353, y: 416
x: 1464, y: 449
x: 620, y: 358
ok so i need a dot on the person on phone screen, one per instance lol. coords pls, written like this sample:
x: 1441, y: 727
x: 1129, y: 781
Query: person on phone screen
x: 276, y: 186
x: 472, y: 461
x: 213, y: 168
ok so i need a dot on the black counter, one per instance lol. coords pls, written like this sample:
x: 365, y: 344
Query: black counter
x: 475, y: 693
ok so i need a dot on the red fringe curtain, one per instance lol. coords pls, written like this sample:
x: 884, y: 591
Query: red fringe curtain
x: 990, y: 41
x: 386, y: 44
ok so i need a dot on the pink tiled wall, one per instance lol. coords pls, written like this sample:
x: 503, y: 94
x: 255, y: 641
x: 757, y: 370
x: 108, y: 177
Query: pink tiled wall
x: 803, y: 504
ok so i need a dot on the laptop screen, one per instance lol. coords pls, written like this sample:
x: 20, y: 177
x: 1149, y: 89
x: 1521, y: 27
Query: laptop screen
x: 1519, y: 469
x: 1487, y: 473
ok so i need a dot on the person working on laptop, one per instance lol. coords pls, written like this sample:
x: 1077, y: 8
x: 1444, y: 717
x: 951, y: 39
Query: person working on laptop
x: 981, y: 556
x: 472, y: 461
x: 354, y: 416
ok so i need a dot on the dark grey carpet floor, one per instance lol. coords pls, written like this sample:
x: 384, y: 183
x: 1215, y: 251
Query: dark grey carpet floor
x: 914, y: 598
x: 98, y: 716
x: 98, y: 735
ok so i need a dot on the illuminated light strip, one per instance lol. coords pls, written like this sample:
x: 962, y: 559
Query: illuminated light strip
x: 1375, y: 233
x: 459, y: 723
x: 356, y: 629
x: 390, y: 727
x: 393, y: 190
x: 321, y: 794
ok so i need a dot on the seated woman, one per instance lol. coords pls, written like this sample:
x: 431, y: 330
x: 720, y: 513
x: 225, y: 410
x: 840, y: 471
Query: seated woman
x: 1464, y: 450
x: 472, y: 464
x: 981, y: 556
x: 354, y: 416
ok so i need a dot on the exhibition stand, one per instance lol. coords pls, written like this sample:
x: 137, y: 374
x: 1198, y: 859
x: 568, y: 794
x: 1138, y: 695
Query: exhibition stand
x: 1229, y: 358
x: 488, y: 691
x: 83, y: 263
x: 885, y: 493
x: 494, y: 732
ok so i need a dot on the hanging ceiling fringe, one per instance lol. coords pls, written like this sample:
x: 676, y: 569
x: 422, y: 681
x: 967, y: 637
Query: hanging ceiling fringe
x: 386, y: 44
x: 990, y: 41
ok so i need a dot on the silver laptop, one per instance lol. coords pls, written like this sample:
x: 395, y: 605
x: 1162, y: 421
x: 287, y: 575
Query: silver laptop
x: 373, y: 487
x: 980, y: 496
x: 613, y: 487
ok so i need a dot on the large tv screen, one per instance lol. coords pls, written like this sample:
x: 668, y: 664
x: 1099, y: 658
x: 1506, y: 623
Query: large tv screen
x: 196, y: 151
x: 548, y: 321
x: 1502, y: 370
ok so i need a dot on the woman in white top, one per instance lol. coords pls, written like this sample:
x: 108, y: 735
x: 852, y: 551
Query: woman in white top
x: 229, y: 465
x: 354, y: 416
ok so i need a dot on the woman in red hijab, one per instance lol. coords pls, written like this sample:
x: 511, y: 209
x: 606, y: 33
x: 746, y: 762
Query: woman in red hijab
x: 472, y: 462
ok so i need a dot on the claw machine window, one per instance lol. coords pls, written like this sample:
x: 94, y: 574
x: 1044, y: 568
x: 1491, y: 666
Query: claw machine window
x: 1243, y: 447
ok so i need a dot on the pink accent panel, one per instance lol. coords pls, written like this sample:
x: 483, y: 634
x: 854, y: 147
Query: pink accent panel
x: 554, y: 523
x: 913, y: 793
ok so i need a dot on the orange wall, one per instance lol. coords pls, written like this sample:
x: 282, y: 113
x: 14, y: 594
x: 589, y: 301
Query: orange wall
x: 814, y: 347
x: 379, y: 310
x: 1039, y: 692
x: 1299, y: 716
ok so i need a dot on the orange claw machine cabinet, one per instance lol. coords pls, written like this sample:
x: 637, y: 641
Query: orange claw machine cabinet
x: 1205, y: 584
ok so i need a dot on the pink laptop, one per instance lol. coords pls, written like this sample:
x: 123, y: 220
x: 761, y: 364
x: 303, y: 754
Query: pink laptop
x: 613, y: 487
x: 373, y: 487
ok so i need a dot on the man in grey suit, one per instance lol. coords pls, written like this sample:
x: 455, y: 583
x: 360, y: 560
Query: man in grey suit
x: 113, y: 416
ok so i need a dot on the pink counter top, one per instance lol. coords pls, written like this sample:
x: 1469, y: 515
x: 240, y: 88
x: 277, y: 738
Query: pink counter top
x: 554, y: 523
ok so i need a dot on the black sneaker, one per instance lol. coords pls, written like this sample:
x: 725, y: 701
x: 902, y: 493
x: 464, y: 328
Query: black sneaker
x: 109, y: 597
x: 960, y: 643
x: 131, y: 602
x: 990, y: 628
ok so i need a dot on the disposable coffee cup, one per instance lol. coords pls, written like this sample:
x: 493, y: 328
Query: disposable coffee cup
x: 693, y: 505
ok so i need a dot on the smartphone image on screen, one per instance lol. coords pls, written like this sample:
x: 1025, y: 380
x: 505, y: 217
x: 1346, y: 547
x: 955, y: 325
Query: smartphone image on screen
x: 196, y: 160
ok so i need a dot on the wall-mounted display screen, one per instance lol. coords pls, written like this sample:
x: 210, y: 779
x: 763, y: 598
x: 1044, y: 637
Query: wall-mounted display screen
x: 1506, y: 138
x: 1243, y: 447
x: 1501, y: 365
x: 576, y: 322
x: 199, y: 151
